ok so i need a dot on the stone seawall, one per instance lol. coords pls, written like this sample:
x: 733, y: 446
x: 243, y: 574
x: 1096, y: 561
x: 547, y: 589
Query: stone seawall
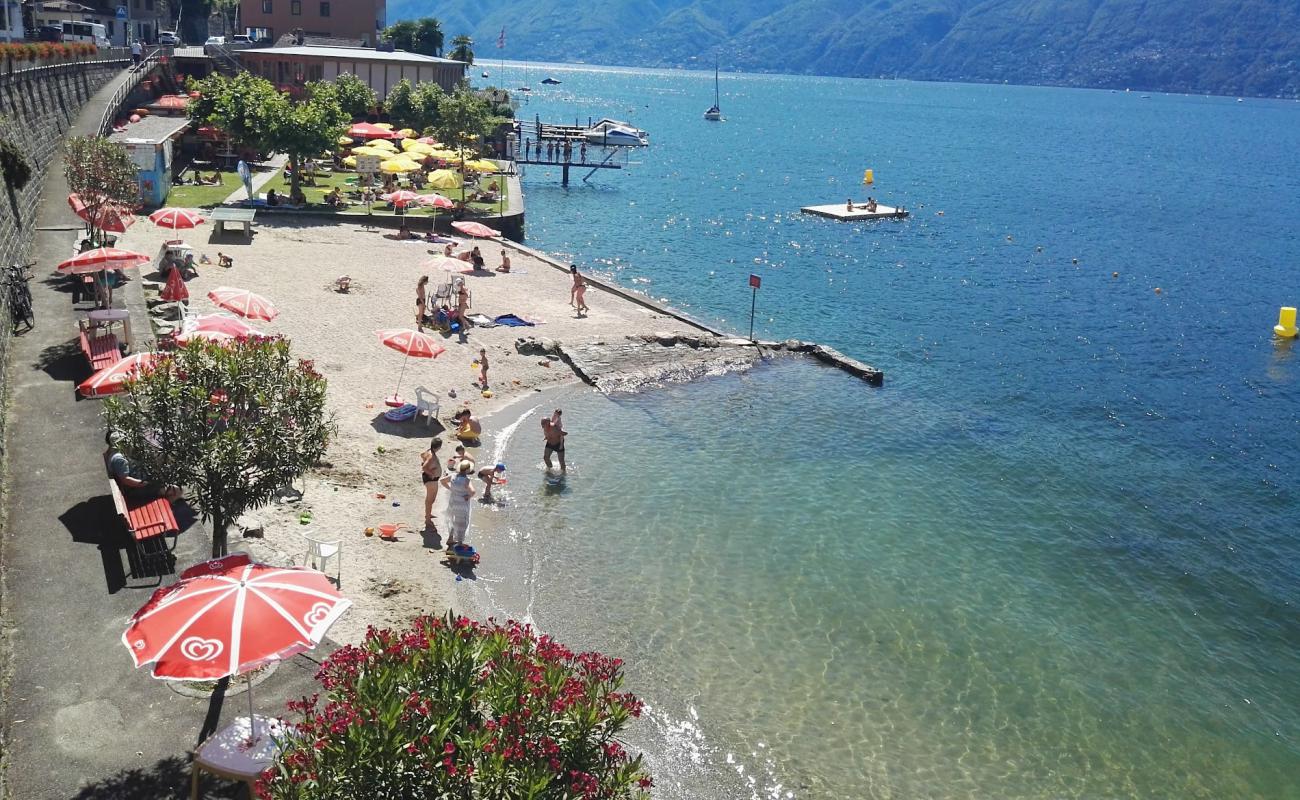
x: 37, y: 106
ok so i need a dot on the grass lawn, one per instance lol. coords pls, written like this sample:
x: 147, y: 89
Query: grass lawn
x: 326, y: 181
x: 203, y: 196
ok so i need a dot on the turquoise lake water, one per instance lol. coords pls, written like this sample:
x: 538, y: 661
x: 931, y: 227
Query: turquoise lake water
x: 1054, y: 556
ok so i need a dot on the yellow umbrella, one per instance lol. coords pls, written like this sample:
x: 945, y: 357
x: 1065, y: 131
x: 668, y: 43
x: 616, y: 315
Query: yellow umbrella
x: 350, y: 162
x: 412, y: 146
x: 383, y: 144
x: 408, y: 132
x: 481, y: 165
x: 367, y: 150
x: 444, y: 179
x: 343, y: 140
x: 388, y: 126
x: 396, y: 166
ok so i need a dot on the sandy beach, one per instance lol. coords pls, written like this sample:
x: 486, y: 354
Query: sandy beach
x: 373, y: 466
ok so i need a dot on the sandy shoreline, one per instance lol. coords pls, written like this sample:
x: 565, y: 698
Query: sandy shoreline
x: 295, y: 263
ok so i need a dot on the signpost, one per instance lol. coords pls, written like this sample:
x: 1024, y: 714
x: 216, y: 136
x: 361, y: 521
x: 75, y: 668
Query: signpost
x: 754, y: 283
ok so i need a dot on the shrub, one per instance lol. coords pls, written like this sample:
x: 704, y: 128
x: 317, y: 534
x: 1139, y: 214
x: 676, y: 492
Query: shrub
x: 453, y: 708
x: 16, y: 170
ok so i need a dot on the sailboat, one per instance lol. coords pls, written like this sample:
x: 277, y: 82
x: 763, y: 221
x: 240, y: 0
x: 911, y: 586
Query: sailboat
x: 714, y: 113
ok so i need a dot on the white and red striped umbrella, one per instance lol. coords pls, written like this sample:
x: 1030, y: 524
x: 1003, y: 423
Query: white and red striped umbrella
x: 110, y: 380
x: 176, y: 218
x: 175, y: 290
x: 102, y: 259
x: 364, y: 130
x: 446, y: 264
x: 436, y: 200
x: 402, y: 198
x: 413, y: 344
x: 221, y: 323
x: 244, y: 303
x: 204, y: 336
x: 476, y: 229
x: 230, y: 615
x: 109, y: 217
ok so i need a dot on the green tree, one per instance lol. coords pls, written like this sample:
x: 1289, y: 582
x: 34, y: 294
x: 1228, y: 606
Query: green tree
x: 239, y: 106
x: 355, y: 95
x: 428, y: 37
x: 427, y: 98
x: 462, y: 49
x: 401, y: 105
x: 233, y: 423
x: 102, y: 174
x: 463, y: 121
x: 402, y: 35
x: 303, y: 129
x: 227, y: 9
x: 456, y: 709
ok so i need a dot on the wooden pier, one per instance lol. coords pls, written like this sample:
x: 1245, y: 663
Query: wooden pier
x: 859, y: 213
x: 564, y: 146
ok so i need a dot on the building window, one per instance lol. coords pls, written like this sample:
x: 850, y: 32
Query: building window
x: 324, y: 9
x: 148, y: 5
x: 266, y: 6
x: 295, y: 7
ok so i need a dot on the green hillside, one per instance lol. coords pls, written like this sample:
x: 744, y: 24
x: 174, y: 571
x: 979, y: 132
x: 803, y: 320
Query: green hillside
x: 1246, y: 47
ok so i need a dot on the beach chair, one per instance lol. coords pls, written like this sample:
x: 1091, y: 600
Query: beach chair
x: 426, y: 402
x: 318, y: 555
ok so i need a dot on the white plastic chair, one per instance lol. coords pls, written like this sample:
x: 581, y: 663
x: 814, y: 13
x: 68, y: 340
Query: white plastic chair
x: 320, y: 551
x: 426, y: 402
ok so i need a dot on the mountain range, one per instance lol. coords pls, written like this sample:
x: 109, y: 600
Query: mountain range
x: 1232, y: 47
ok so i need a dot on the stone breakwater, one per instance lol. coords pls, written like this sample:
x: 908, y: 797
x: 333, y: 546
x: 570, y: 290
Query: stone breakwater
x: 632, y: 363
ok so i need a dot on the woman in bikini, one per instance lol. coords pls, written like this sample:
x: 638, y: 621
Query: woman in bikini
x: 420, y: 302
x: 430, y: 473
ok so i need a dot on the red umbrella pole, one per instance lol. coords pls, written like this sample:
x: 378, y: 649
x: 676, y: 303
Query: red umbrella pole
x: 400, y: 375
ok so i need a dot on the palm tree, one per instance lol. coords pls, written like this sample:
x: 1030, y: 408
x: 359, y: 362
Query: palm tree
x: 461, y: 49
x: 428, y: 37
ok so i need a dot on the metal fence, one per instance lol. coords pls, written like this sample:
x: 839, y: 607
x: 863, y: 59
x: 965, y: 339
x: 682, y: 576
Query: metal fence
x: 138, y: 73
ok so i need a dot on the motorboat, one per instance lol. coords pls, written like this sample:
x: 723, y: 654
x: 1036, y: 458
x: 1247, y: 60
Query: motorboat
x: 485, y: 73
x: 524, y: 89
x: 549, y: 81
x: 615, y: 133
x: 714, y: 113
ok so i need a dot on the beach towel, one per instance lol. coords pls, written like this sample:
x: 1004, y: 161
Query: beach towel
x: 482, y: 321
x: 514, y: 321
x: 402, y: 414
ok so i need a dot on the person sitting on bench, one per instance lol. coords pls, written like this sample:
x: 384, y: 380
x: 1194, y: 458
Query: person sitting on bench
x: 134, y: 487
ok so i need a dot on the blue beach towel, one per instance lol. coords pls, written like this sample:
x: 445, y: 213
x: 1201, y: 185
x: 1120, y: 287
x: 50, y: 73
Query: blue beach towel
x: 402, y: 414
x: 513, y: 321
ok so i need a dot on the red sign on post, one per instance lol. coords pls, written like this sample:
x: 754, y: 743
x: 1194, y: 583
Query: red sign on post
x: 755, y: 282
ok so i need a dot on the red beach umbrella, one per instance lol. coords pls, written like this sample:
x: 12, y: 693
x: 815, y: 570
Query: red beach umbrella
x: 223, y: 323
x: 175, y: 290
x: 402, y: 198
x: 436, y: 200
x: 244, y: 303
x: 413, y: 344
x: 204, y: 336
x: 110, y: 217
x: 176, y: 218
x: 231, y: 615
x: 476, y: 229
x: 109, y: 380
x: 102, y: 259
x: 364, y: 130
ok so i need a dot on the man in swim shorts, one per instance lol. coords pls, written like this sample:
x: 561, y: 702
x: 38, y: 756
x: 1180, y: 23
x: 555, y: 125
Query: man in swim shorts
x: 553, y: 433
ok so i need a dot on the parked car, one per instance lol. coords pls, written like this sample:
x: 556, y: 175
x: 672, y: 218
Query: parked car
x: 168, y: 39
x: 240, y: 38
x: 215, y: 40
x: 49, y: 33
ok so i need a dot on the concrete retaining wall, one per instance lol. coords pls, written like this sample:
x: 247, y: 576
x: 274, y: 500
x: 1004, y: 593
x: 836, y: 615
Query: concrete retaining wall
x: 36, y: 108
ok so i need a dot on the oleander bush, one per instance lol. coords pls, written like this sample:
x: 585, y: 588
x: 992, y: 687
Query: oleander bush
x: 44, y: 51
x: 453, y: 708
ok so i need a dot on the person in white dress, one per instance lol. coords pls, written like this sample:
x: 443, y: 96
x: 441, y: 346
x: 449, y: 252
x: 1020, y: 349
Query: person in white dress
x: 460, y: 492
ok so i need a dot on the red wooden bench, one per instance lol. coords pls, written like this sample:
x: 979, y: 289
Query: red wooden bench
x: 100, y: 351
x: 147, y: 522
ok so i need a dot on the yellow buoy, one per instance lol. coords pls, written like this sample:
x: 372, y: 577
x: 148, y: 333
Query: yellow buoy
x: 869, y: 176
x: 1285, y: 326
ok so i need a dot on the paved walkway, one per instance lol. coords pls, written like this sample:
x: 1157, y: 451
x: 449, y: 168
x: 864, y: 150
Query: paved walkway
x: 79, y: 720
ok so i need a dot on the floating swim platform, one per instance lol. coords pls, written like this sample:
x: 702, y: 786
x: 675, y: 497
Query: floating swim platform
x: 841, y: 212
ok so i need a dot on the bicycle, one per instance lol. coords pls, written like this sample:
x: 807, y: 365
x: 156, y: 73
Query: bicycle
x: 20, y: 295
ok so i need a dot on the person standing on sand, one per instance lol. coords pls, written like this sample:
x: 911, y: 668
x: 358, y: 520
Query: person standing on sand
x: 573, y: 288
x: 458, y: 508
x: 553, y: 434
x: 580, y: 293
x: 482, y: 367
x: 420, y: 300
x: 430, y: 474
